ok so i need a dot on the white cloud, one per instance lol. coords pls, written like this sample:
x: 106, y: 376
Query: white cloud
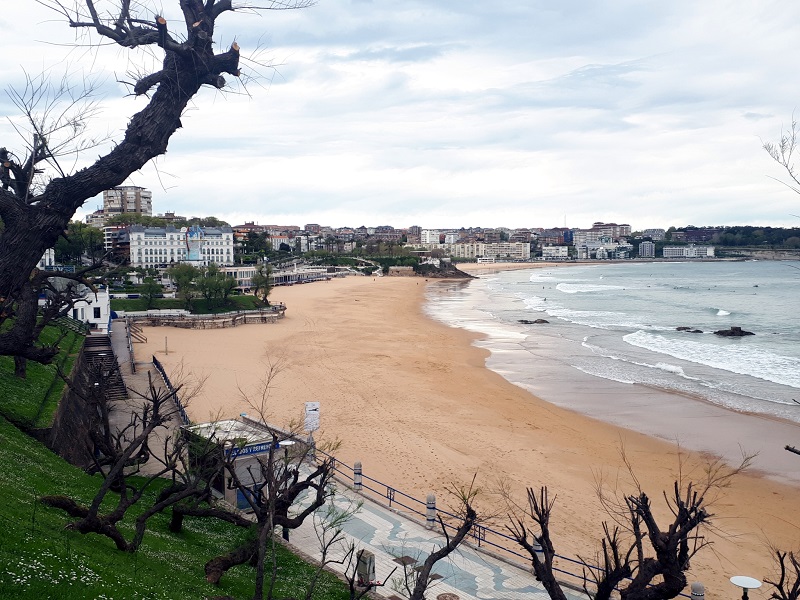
x: 453, y: 113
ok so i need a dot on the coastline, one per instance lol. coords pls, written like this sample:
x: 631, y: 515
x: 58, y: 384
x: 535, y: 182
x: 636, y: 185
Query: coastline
x: 412, y: 399
x: 672, y: 415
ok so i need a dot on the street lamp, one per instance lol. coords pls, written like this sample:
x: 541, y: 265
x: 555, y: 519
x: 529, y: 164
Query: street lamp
x: 286, y: 444
x: 746, y: 583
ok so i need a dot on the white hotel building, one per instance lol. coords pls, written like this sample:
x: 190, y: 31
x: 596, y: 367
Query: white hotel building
x: 160, y: 247
x: 690, y: 251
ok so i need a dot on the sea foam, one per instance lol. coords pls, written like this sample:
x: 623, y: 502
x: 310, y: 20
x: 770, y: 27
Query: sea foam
x: 740, y: 359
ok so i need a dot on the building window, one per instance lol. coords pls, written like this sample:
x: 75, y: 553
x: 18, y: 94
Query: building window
x: 96, y: 312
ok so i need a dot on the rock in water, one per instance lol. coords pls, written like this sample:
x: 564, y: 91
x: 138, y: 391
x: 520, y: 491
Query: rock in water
x: 733, y: 332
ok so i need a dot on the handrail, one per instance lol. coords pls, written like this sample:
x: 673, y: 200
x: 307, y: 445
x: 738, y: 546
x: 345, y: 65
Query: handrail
x: 480, y: 534
x: 181, y: 410
x: 130, y: 346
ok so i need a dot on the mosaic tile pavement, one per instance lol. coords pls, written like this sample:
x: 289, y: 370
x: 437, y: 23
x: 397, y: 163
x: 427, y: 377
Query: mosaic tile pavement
x: 467, y: 574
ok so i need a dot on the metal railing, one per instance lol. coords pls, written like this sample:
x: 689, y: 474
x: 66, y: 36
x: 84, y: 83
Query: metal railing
x: 129, y: 340
x: 482, y: 537
x: 181, y: 410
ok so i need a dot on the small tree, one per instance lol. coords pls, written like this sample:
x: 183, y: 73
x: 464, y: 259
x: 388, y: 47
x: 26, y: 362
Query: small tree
x: 336, y: 549
x: 149, y: 290
x: 184, y: 276
x: 414, y: 581
x: 262, y: 282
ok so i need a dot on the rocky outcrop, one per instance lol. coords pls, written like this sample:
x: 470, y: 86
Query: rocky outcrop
x: 445, y: 271
x: 535, y: 322
x: 733, y: 332
x: 688, y: 329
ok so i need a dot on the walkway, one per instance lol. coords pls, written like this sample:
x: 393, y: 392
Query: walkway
x: 137, y: 382
x: 467, y: 574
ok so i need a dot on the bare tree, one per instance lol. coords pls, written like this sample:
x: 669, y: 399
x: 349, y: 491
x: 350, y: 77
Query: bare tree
x: 540, y: 547
x: 119, y: 451
x: 335, y: 548
x: 414, y: 581
x: 271, y: 490
x: 783, y: 153
x: 787, y: 584
x: 639, y: 557
x: 35, y: 211
x: 271, y: 485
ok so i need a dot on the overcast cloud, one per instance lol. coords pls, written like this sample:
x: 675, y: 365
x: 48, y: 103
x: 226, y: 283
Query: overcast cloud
x: 457, y: 113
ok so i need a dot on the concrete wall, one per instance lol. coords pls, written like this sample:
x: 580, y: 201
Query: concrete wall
x: 68, y: 436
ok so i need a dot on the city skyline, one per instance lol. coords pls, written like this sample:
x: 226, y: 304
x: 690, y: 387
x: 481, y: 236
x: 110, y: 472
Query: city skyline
x: 487, y: 115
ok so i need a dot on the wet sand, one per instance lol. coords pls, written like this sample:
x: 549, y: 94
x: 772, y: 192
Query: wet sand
x: 413, y: 401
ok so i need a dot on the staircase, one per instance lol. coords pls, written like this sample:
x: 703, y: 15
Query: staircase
x: 135, y: 332
x: 72, y: 324
x: 98, y: 352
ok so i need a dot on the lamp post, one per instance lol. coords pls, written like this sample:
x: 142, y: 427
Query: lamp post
x: 286, y: 444
x: 746, y: 583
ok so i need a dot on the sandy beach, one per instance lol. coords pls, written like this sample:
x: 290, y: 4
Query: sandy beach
x: 412, y: 400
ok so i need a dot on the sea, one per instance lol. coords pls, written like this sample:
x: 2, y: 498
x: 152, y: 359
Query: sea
x: 616, y: 324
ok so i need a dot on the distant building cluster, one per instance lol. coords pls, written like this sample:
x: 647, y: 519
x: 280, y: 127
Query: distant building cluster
x: 159, y: 247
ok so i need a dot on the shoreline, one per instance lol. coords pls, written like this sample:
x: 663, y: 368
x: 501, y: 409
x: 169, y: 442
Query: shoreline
x: 413, y: 400
x: 684, y: 413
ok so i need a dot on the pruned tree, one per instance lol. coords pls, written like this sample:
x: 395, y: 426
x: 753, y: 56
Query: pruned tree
x: 271, y: 489
x: 119, y: 450
x: 640, y: 558
x: 787, y: 584
x: 414, y: 581
x: 538, y: 546
x: 335, y: 548
x: 271, y: 486
x: 38, y: 195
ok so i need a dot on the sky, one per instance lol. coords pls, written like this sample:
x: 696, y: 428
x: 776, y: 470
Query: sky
x: 456, y: 113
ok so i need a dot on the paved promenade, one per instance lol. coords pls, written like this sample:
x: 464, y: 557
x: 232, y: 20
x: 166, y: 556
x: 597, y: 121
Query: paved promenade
x: 466, y: 574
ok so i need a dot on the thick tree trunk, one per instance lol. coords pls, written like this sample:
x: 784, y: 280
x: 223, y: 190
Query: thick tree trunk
x: 176, y: 521
x: 20, y: 367
x: 33, y: 223
x: 217, y: 567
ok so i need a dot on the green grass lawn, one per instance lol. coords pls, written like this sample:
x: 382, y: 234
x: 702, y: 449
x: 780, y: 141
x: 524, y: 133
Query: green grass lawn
x: 40, y: 558
x: 32, y: 402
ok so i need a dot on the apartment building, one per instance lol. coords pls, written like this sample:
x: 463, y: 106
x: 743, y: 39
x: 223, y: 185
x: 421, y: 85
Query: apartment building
x: 656, y: 235
x: 647, y: 250
x: 555, y: 252
x: 475, y: 250
x: 429, y: 236
x: 127, y: 199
